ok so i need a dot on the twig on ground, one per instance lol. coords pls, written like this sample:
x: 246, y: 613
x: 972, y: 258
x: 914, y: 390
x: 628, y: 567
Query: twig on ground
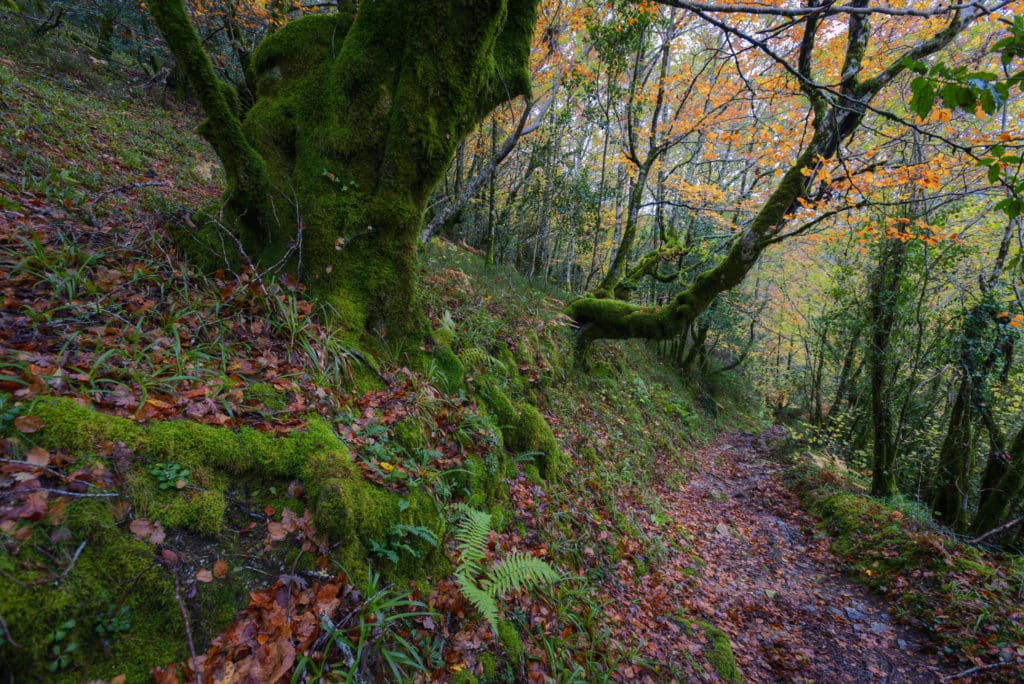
x: 74, y: 559
x: 983, y: 668
x: 83, y: 495
x: 188, y: 628
x: 91, y: 216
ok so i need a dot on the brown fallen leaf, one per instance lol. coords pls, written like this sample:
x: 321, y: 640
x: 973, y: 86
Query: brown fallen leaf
x: 204, y: 575
x: 38, y: 456
x: 28, y: 424
x: 147, y: 530
x: 220, y: 568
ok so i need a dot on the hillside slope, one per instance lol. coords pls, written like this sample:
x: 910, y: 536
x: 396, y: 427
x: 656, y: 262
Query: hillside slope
x: 205, y: 474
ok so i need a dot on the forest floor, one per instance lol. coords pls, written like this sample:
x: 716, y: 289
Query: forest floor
x: 760, y: 569
x: 675, y: 556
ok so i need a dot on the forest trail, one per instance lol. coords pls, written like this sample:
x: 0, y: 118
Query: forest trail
x: 756, y: 566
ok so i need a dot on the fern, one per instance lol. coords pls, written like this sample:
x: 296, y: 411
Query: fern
x: 471, y: 536
x: 515, y: 571
x: 484, y: 602
x: 518, y: 571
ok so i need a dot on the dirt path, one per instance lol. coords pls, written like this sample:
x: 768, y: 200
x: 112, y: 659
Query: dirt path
x: 756, y: 566
x: 776, y: 589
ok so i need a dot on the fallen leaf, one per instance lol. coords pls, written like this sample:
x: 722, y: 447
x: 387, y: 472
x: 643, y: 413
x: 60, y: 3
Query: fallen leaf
x: 38, y: 456
x: 204, y: 575
x: 147, y: 530
x: 28, y: 424
x: 220, y: 568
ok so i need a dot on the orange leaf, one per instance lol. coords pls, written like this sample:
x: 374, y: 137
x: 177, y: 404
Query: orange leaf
x: 220, y: 568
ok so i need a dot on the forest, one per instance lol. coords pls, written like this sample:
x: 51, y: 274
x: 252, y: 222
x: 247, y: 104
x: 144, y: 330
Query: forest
x: 511, y: 341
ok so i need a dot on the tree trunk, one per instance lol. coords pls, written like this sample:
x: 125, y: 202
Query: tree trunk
x: 882, y: 308
x: 357, y: 116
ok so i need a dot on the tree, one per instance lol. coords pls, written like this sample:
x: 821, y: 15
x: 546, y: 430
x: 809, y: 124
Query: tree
x: 356, y: 116
x: 837, y: 110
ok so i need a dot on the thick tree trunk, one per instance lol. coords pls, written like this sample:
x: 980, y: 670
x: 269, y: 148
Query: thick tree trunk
x: 1006, y: 492
x: 357, y: 115
x: 955, y: 460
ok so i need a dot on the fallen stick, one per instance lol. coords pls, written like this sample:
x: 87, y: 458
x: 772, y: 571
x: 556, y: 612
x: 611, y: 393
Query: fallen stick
x: 188, y: 628
x: 74, y: 559
x: 982, y: 668
x: 121, y: 188
x: 995, y: 531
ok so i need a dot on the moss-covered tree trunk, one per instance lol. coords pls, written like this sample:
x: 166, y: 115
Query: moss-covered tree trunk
x: 1005, y: 492
x: 953, y: 479
x: 884, y: 299
x: 357, y: 115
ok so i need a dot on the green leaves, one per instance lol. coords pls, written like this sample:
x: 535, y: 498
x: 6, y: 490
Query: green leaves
x: 957, y: 89
x: 923, y: 98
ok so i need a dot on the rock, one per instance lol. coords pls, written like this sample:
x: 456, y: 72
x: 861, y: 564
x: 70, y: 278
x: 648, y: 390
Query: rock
x: 879, y: 628
x: 854, y: 614
x: 722, y: 529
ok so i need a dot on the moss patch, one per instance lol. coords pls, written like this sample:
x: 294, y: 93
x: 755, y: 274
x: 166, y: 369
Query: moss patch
x: 719, y: 653
x: 115, y: 567
x: 112, y: 568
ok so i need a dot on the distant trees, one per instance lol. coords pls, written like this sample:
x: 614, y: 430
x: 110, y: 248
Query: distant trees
x: 836, y: 111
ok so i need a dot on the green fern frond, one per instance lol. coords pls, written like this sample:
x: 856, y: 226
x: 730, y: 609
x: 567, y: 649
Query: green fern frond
x: 471, y: 535
x: 480, y: 599
x: 517, y: 571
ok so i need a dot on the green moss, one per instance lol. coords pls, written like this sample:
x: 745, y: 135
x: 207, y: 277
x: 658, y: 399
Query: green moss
x: 511, y: 642
x: 532, y: 433
x: 73, y: 427
x: 523, y: 428
x: 719, y: 653
x: 444, y: 337
x: 263, y: 394
x: 450, y: 371
x: 489, y: 667
x: 959, y: 589
x: 409, y: 434
x: 33, y: 605
x: 351, y: 510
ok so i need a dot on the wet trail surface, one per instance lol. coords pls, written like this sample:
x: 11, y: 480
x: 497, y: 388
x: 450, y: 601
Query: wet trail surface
x: 753, y: 563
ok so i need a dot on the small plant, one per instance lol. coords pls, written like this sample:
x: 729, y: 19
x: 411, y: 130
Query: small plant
x: 400, y: 540
x: 170, y: 475
x: 114, y: 620
x: 368, y: 644
x: 60, y: 648
x: 8, y: 413
x: 483, y: 587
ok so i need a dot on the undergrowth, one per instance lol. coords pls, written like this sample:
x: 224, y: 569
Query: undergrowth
x: 967, y: 599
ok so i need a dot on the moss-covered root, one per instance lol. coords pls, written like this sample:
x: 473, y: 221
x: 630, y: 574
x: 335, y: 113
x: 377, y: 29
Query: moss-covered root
x: 719, y: 654
x: 349, y: 509
x: 523, y: 428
